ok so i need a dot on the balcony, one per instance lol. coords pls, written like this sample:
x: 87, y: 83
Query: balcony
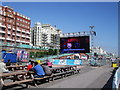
x: 13, y: 39
x: 1, y: 31
x: 23, y: 35
x: 44, y: 35
x: 18, y: 40
x: 9, y: 32
x: 13, y: 33
x: 23, y: 41
x: 27, y: 36
x: 10, y: 16
x: 18, y: 34
x: 2, y: 37
x: 27, y: 42
x: 18, y: 30
x: 2, y: 25
x: 27, y: 32
x: 24, y: 31
x: 13, y: 28
x: 8, y: 38
x: 9, y: 27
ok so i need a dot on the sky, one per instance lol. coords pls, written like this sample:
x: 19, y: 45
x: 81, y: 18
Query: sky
x: 76, y: 17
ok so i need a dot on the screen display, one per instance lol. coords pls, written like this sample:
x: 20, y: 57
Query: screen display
x: 75, y: 44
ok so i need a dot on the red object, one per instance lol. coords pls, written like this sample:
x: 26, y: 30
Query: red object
x: 29, y: 67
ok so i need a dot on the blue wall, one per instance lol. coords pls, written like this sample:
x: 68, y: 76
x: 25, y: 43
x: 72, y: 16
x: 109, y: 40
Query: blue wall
x: 11, y: 56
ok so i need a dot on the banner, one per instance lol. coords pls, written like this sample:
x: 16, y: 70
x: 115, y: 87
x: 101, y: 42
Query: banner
x: 67, y: 62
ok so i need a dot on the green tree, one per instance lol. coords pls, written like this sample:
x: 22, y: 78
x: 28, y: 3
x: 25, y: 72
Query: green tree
x: 32, y: 55
x: 50, y: 52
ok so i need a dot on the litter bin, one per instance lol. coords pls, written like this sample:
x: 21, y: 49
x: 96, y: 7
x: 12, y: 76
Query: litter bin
x: 114, y: 64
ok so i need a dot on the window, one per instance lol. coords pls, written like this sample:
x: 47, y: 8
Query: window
x: 9, y: 11
x: 14, y: 12
x: 0, y: 11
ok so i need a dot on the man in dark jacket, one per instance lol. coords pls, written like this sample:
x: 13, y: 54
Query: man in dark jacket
x: 8, y: 63
x: 46, y: 69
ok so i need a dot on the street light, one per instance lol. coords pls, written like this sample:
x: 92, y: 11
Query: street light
x: 92, y: 33
x: 58, y: 44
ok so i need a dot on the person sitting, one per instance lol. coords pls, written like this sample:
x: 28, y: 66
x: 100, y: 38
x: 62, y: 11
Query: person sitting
x: 3, y: 67
x: 8, y: 63
x: 39, y: 72
x: 29, y: 62
x: 49, y: 64
x: 46, y: 69
x: 30, y: 66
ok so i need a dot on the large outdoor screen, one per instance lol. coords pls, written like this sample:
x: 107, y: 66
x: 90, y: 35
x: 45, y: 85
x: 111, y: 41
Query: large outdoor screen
x: 79, y: 44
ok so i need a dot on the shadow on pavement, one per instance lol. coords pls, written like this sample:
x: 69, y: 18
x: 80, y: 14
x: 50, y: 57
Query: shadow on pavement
x: 108, y: 85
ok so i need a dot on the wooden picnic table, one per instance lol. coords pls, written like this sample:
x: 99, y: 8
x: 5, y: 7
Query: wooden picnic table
x: 15, y: 78
x: 63, y: 68
x: 27, y: 76
x: 11, y: 73
x: 18, y: 67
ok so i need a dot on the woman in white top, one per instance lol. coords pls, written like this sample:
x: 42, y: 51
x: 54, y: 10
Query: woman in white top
x: 3, y: 67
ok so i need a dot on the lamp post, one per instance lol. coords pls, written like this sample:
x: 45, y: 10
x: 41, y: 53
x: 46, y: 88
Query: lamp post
x: 92, y: 33
x: 58, y: 44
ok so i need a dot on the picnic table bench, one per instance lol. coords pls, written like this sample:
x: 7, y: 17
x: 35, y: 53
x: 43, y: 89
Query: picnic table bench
x: 59, y: 72
x: 15, y: 78
x: 27, y: 76
x: 16, y: 67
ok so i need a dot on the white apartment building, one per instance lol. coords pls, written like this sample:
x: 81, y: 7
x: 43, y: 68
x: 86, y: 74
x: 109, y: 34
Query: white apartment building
x: 45, y: 35
x: 99, y: 50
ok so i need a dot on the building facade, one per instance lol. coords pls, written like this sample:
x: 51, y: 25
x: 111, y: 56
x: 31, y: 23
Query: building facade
x: 45, y: 35
x: 14, y: 27
x: 99, y: 50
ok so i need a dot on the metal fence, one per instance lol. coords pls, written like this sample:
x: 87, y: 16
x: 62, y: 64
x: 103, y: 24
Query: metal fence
x: 97, y: 62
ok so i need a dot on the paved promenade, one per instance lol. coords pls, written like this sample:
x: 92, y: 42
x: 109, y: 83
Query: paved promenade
x: 89, y: 77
